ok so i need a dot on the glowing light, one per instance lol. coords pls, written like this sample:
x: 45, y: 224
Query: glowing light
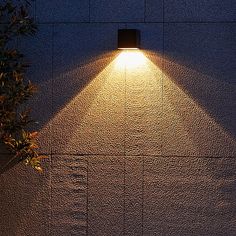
x: 127, y: 48
x: 134, y: 94
x: 131, y: 59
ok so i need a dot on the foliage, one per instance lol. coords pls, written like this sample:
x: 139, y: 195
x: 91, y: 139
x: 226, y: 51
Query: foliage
x: 15, y: 90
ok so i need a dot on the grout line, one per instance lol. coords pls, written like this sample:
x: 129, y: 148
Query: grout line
x: 51, y: 154
x: 125, y: 124
x: 133, y: 22
x: 125, y: 109
x: 133, y: 155
x: 125, y: 120
x: 35, y: 11
x: 162, y: 73
x: 145, y: 9
x: 192, y: 22
x: 87, y: 198
x: 163, y: 11
x: 89, y: 11
x: 142, y: 195
x: 124, y: 207
x: 50, y: 195
x: 52, y: 84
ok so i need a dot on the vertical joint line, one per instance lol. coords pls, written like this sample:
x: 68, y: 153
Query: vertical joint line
x: 87, y: 198
x: 124, y: 207
x: 125, y: 113
x: 145, y: 9
x: 142, y: 194
x: 162, y: 71
x: 52, y: 94
x: 35, y: 11
x: 163, y: 12
x: 125, y: 107
x: 89, y: 11
x: 52, y: 83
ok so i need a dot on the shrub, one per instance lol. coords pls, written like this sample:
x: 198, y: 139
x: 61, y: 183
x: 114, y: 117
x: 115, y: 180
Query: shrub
x: 15, y: 89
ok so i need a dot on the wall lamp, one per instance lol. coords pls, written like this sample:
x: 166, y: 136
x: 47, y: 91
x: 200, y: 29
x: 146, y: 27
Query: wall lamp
x: 128, y: 39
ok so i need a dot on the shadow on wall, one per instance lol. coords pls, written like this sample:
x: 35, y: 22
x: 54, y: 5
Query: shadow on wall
x: 66, y: 86
x: 87, y: 110
x: 215, y: 96
x: 69, y: 83
x: 201, y: 109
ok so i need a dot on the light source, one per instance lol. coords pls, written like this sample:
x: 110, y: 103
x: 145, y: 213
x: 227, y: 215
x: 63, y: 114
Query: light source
x: 128, y: 39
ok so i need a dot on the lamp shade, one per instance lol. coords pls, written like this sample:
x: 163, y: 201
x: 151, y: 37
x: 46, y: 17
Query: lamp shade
x: 128, y: 39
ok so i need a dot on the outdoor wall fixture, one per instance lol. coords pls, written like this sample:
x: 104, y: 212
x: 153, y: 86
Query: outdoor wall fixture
x: 128, y: 39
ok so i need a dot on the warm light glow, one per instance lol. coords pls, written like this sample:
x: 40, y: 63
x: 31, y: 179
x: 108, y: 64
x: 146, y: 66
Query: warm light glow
x: 128, y: 48
x: 131, y: 59
x: 132, y: 95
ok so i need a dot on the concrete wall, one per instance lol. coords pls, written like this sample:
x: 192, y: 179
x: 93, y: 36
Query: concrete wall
x: 140, y: 146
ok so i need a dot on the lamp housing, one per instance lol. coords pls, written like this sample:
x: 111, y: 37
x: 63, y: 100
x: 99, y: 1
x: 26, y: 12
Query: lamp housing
x: 128, y: 39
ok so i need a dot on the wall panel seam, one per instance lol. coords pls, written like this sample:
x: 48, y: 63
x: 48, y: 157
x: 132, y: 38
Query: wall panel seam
x: 135, y: 22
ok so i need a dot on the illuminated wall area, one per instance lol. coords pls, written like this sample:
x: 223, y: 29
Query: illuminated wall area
x: 140, y: 142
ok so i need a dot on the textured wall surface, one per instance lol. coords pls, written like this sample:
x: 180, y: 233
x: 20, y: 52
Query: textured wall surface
x: 140, y: 143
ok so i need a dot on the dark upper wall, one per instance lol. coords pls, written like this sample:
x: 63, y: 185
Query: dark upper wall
x: 135, y: 11
x: 145, y: 150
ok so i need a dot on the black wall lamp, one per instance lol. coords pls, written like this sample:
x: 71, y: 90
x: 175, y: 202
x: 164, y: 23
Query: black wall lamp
x: 128, y: 39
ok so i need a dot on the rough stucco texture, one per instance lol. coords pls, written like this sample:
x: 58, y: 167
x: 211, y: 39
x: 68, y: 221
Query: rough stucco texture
x: 137, y: 146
